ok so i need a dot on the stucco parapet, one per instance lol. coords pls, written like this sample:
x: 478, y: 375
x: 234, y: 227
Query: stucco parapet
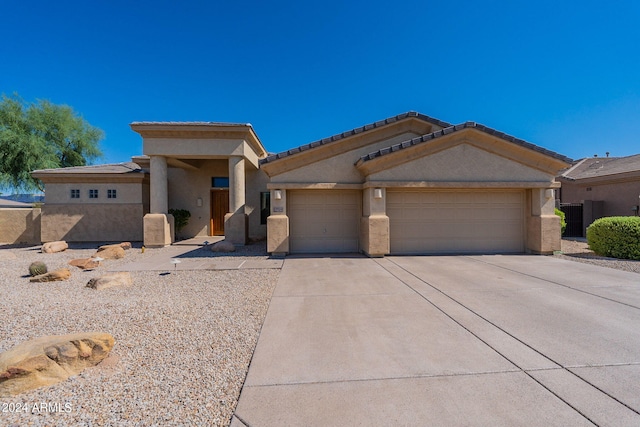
x: 461, y: 184
x: 313, y: 186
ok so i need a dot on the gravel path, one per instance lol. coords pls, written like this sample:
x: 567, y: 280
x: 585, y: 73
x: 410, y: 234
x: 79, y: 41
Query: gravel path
x: 578, y: 250
x: 184, y: 339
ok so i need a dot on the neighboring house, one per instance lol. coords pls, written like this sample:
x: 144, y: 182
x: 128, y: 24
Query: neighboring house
x: 409, y: 184
x: 600, y: 186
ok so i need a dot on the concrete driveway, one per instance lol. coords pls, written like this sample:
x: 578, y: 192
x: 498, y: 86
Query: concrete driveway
x: 457, y: 340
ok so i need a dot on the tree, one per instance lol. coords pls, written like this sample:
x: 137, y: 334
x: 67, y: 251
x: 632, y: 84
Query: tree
x: 42, y: 135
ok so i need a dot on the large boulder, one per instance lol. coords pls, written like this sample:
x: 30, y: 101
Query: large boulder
x: 223, y: 246
x: 49, y: 360
x: 111, y: 252
x: 53, y: 276
x: 124, y: 245
x: 84, y: 263
x: 53, y: 247
x: 110, y: 280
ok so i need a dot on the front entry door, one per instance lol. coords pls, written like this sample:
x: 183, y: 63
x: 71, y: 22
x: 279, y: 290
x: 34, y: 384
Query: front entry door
x: 219, y: 208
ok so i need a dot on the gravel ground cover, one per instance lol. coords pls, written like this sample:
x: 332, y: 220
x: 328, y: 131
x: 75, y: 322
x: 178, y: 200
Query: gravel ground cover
x: 184, y: 339
x: 578, y: 250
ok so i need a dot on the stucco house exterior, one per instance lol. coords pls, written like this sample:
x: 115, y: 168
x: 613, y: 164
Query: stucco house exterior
x: 601, y: 186
x: 409, y: 184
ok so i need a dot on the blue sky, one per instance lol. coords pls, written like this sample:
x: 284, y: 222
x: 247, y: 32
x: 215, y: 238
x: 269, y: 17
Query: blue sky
x: 564, y: 75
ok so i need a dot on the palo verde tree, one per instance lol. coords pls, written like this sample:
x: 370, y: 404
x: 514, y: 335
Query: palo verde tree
x: 42, y: 135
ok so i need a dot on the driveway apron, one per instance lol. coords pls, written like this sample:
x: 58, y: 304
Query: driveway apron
x: 482, y: 340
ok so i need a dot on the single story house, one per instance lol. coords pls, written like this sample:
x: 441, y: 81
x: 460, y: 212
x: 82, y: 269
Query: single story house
x: 599, y: 186
x: 409, y: 184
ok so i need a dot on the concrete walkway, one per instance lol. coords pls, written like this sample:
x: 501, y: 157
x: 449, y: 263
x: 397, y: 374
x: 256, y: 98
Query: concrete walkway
x: 469, y: 340
x: 192, y: 256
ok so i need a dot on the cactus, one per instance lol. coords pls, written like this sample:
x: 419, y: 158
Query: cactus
x: 37, y: 268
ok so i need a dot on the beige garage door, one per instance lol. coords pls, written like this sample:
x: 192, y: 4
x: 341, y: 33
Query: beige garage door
x: 323, y: 221
x: 424, y: 222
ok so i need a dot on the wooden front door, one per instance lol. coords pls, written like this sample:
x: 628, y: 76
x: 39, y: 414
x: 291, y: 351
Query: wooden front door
x: 219, y: 208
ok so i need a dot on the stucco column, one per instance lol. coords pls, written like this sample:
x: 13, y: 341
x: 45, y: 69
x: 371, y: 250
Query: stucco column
x: 543, y: 225
x: 236, y: 184
x: 278, y: 224
x: 159, y: 199
x: 374, y: 225
x: 236, y: 222
x: 158, y: 224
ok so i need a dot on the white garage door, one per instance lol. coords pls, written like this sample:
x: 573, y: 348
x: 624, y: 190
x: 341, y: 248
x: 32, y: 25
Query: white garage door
x: 324, y: 221
x: 423, y: 222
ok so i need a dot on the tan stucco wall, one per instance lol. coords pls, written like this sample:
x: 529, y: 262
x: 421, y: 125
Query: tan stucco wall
x: 20, y: 225
x: 462, y: 162
x: 197, y: 148
x: 92, y: 222
x: 618, y: 197
x: 543, y: 231
x: 126, y: 193
x: 339, y: 168
x: 256, y: 183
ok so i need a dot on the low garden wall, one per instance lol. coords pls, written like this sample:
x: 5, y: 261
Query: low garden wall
x: 20, y: 225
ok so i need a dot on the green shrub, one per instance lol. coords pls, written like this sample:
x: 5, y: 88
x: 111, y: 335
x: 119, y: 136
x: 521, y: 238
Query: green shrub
x: 615, y: 236
x: 37, y: 268
x: 181, y: 218
x: 563, y: 222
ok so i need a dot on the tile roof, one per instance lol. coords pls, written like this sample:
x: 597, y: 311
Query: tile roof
x: 114, y: 168
x: 352, y: 132
x: 451, y: 129
x: 602, y: 166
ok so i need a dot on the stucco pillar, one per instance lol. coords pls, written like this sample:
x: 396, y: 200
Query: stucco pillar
x: 236, y: 221
x: 158, y: 198
x: 278, y: 224
x: 158, y: 224
x: 543, y: 225
x: 374, y: 224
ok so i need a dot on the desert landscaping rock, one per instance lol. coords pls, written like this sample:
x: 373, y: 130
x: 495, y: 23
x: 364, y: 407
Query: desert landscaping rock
x: 223, y: 246
x: 110, y: 280
x: 84, y: 263
x: 48, y: 360
x: 111, y: 252
x: 124, y: 245
x: 53, y: 247
x: 184, y: 340
x: 53, y: 276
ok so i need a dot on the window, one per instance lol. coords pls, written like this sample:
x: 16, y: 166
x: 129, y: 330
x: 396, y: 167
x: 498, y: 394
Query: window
x: 93, y: 194
x: 111, y: 194
x: 220, y: 182
x: 265, y: 206
x: 75, y: 193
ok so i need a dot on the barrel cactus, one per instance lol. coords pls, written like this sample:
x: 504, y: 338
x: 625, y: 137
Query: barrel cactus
x: 37, y: 268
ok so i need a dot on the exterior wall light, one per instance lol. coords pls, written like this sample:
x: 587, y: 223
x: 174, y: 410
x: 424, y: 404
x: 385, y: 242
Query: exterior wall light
x: 377, y: 193
x: 199, y: 202
x: 277, y: 195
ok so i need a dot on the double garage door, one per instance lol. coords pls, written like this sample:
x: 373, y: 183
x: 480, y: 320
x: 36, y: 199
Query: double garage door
x: 420, y: 222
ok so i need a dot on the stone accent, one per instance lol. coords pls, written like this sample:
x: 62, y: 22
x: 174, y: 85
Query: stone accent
x: 223, y: 246
x: 110, y: 280
x: 49, y: 360
x: 158, y: 230
x: 112, y: 252
x: 84, y: 263
x: 278, y: 234
x: 374, y: 235
x: 53, y: 247
x: 53, y: 276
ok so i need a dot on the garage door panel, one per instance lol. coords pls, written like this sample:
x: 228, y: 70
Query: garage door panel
x: 324, y: 221
x: 455, y: 222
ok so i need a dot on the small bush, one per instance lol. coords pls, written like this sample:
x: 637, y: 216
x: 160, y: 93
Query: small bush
x: 616, y: 237
x: 181, y: 218
x: 563, y: 222
x: 37, y: 268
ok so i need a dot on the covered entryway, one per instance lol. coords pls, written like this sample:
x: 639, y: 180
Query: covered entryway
x: 427, y: 222
x: 324, y: 220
